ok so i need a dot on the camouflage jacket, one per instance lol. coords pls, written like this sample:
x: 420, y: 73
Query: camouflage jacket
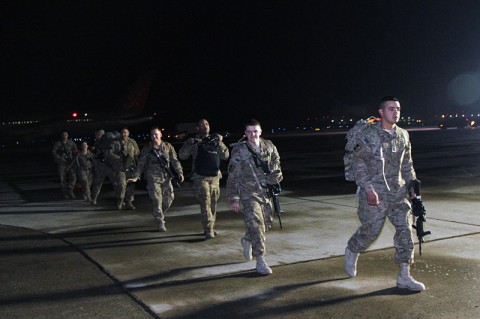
x: 246, y: 177
x: 190, y: 148
x: 383, y: 160
x: 83, y: 162
x: 63, y: 152
x: 128, y: 153
x: 148, y: 163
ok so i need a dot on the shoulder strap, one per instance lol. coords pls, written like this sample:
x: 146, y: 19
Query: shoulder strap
x: 258, y: 160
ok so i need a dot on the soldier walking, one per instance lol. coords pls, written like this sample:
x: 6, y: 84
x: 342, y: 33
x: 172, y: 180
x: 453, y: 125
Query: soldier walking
x: 104, y: 161
x: 383, y: 167
x: 128, y: 153
x: 83, y: 167
x: 206, y: 152
x: 155, y: 159
x: 63, y: 153
x: 247, y: 190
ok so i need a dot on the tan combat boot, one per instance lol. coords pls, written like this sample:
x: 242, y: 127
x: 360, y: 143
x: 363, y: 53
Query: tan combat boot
x: 247, y: 249
x: 120, y: 204
x: 351, y: 259
x: 130, y: 205
x: 404, y: 280
x: 262, y: 267
x: 161, y: 225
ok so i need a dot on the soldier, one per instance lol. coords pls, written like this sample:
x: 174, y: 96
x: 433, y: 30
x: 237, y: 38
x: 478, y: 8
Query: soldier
x: 105, y: 160
x: 83, y: 166
x: 128, y: 153
x: 206, y: 152
x: 63, y: 152
x: 159, y: 183
x: 247, y: 187
x: 383, y: 167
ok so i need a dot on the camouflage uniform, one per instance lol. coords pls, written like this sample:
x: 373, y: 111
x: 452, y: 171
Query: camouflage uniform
x: 83, y: 166
x: 207, y: 188
x: 125, y: 167
x: 383, y: 163
x: 159, y: 184
x: 63, y: 155
x: 105, y: 162
x: 247, y: 183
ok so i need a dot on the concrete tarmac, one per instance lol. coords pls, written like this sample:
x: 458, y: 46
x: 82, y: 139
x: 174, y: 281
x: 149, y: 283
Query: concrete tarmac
x: 69, y: 259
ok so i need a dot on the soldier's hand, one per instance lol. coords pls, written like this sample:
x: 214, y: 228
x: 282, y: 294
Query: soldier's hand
x: 132, y: 180
x: 372, y: 198
x: 181, y: 178
x: 235, y: 207
x: 220, y: 138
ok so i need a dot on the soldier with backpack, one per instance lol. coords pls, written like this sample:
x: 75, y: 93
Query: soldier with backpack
x: 378, y: 158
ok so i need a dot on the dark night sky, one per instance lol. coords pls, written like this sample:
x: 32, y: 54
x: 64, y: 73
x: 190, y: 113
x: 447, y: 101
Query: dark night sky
x: 277, y: 61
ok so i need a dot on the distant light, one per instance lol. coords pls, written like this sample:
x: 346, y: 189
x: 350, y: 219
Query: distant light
x: 74, y: 114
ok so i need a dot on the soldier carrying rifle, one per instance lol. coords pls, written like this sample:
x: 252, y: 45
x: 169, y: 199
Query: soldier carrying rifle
x: 247, y: 190
x: 63, y: 152
x: 382, y: 168
x: 206, y: 151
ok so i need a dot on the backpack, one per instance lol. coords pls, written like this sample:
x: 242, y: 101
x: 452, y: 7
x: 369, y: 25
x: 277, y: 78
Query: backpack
x: 355, y: 136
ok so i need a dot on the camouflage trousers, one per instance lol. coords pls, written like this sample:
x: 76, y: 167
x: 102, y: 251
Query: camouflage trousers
x: 258, y: 216
x: 102, y: 172
x: 67, y: 178
x: 85, y: 179
x: 126, y: 190
x: 207, y: 191
x: 161, y: 194
x: 373, y: 218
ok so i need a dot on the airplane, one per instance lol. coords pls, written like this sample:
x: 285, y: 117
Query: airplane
x: 81, y: 126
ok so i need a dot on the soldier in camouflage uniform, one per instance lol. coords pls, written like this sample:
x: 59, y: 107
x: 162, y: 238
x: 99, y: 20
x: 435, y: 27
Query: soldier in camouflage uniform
x: 106, y: 162
x: 159, y: 184
x: 206, y: 175
x: 63, y: 153
x: 83, y: 166
x: 383, y: 168
x: 128, y: 155
x: 247, y: 190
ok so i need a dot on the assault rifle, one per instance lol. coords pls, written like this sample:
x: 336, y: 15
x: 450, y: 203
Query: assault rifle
x: 211, y: 139
x: 419, y: 212
x: 166, y: 166
x: 273, y: 191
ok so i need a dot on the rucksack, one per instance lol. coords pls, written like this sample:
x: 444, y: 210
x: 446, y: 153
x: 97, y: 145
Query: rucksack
x: 355, y: 137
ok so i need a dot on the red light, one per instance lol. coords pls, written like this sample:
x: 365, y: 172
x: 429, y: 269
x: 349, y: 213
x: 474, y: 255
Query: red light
x: 74, y: 114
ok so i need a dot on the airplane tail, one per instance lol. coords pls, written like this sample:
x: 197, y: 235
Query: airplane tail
x: 134, y: 100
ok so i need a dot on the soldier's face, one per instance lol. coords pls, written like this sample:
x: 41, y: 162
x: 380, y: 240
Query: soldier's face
x: 253, y: 133
x: 64, y: 136
x: 203, y: 127
x: 125, y: 134
x: 156, y: 136
x: 390, y: 113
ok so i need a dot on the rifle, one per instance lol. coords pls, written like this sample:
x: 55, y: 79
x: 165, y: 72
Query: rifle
x: 273, y: 191
x: 419, y: 212
x: 166, y: 166
x: 211, y: 139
